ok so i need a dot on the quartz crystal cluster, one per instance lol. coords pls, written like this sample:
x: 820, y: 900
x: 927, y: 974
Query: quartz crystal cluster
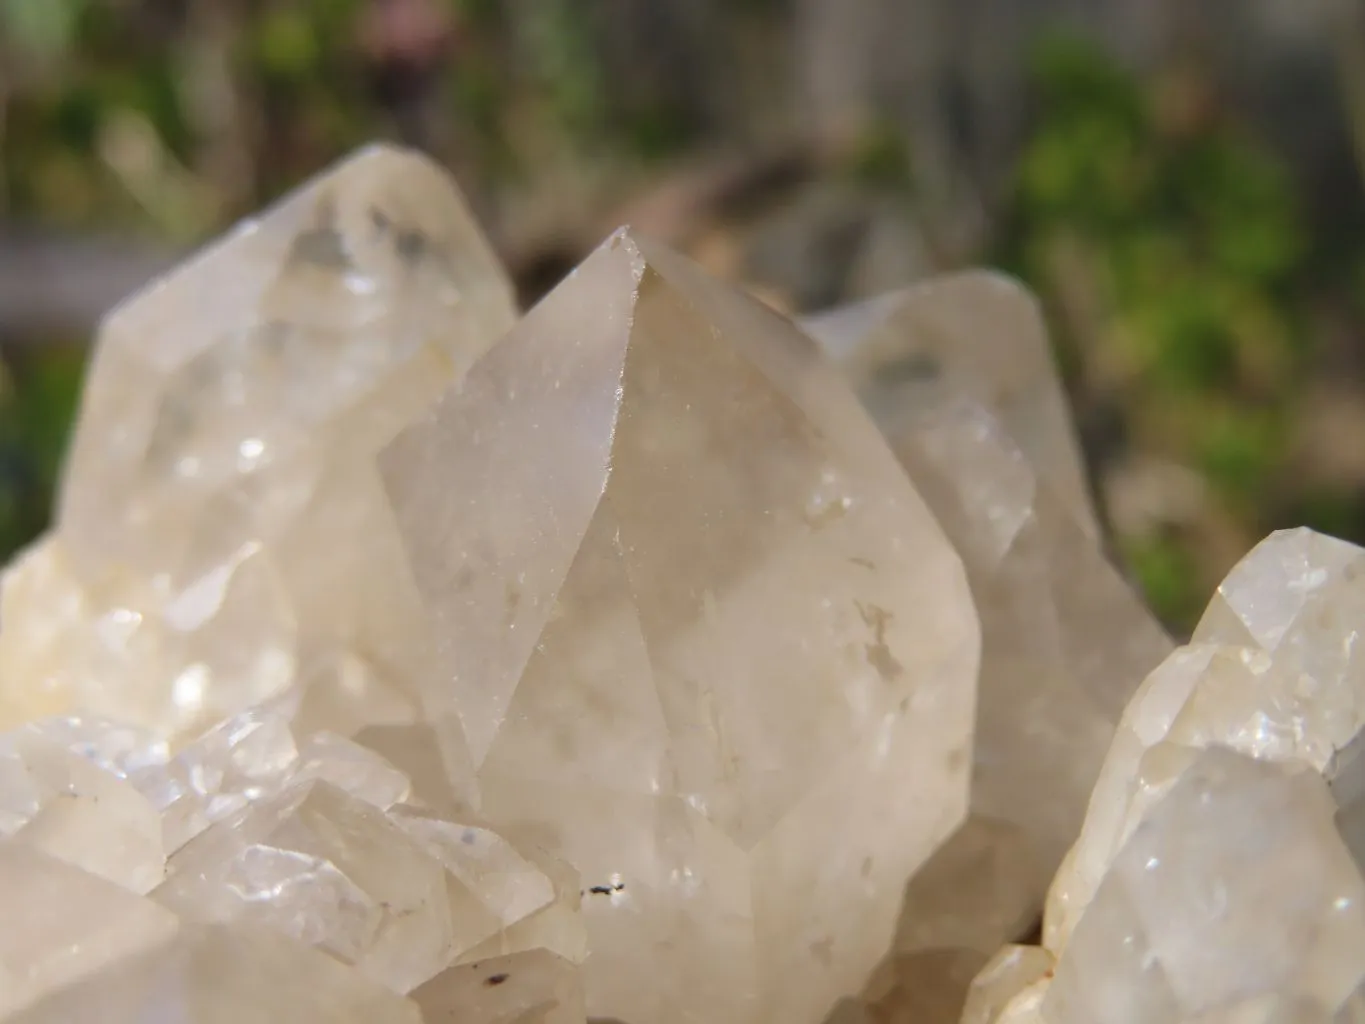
x: 648, y: 658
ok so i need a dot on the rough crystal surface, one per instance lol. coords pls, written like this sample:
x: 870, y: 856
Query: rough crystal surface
x: 220, y: 531
x: 1217, y: 876
x: 305, y: 838
x: 394, y: 897
x: 1236, y: 889
x: 1272, y: 671
x: 960, y: 379
x: 696, y: 633
x: 332, y: 872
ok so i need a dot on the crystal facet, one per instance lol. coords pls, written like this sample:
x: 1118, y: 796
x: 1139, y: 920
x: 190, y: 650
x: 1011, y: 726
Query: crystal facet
x: 304, y: 838
x: 974, y: 335
x: 959, y: 377
x: 58, y: 801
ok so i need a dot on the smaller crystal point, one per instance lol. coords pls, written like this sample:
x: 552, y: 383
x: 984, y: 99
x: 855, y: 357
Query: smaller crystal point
x: 221, y: 533
x: 1236, y: 887
x: 400, y: 895
x: 977, y: 335
x: 958, y: 375
x: 1218, y: 872
x: 1272, y: 673
x: 330, y: 871
x: 285, y: 328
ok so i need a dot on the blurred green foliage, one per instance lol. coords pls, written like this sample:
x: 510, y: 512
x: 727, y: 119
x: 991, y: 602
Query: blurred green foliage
x: 1173, y: 253
x: 38, y: 398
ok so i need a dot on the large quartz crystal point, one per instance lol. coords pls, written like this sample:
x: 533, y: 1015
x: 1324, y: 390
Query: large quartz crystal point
x: 698, y: 634
x: 976, y: 334
x: 959, y: 376
x: 214, y: 974
x: 220, y: 530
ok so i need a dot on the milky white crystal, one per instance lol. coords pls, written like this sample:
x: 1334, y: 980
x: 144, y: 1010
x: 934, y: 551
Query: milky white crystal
x: 1272, y: 671
x: 958, y: 375
x: 303, y: 837
x: 209, y: 667
x: 694, y: 632
x: 220, y: 531
x: 1218, y: 873
x: 1236, y: 889
x: 973, y: 335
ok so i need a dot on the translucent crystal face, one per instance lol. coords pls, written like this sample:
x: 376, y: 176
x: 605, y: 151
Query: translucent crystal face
x: 220, y: 528
x: 958, y: 375
x: 1218, y: 872
x: 696, y: 633
x: 974, y: 335
x: 253, y: 827
x: 1176, y: 930
x: 319, y: 325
